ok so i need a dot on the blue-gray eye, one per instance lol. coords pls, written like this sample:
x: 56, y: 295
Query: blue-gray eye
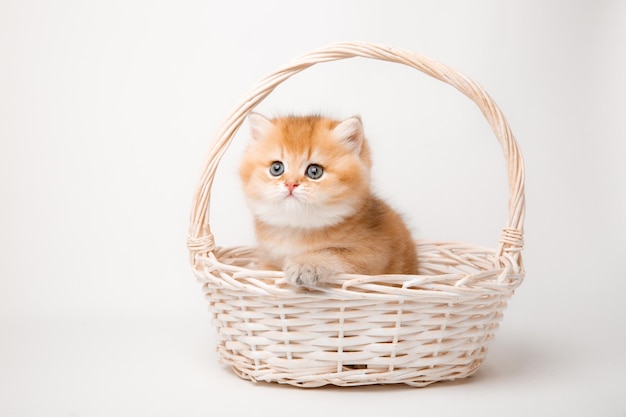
x: 277, y: 168
x: 314, y: 171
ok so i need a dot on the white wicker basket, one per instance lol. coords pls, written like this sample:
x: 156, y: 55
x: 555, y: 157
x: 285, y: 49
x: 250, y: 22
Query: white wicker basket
x: 363, y: 329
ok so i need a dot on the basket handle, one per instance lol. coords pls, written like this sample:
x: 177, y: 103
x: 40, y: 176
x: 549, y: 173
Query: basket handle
x: 200, y: 240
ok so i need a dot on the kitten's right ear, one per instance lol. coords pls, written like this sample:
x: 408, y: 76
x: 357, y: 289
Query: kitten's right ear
x: 260, y: 125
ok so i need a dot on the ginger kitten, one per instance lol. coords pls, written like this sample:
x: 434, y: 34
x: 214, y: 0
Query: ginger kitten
x: 307, y: 183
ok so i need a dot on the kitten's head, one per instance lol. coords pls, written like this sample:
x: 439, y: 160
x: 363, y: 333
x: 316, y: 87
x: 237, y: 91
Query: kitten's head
x: 305, y: 172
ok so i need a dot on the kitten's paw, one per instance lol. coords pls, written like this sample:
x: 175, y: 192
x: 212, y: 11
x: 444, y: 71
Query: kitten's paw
x: 306, y: 274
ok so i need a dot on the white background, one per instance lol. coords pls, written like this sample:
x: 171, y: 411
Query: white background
x: 108, y: 107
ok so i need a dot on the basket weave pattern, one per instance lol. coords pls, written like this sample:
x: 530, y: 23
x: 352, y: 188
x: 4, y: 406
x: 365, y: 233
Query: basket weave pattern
x: 360, y: 330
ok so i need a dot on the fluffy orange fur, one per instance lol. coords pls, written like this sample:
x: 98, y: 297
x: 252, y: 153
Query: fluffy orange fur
x: 307, y: 182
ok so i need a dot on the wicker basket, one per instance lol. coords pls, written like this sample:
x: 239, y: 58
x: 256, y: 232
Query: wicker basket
x: 362, y: 329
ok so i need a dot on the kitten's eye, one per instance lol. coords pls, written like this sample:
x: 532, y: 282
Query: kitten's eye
x: 314, y: 171
x: 277, y: 168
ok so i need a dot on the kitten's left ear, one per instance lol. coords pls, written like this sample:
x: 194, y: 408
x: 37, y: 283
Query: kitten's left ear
x: 350, y: 133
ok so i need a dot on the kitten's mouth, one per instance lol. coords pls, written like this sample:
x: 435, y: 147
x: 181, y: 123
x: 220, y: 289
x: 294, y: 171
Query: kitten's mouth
x: 291, y: 194
x: 293, y: 201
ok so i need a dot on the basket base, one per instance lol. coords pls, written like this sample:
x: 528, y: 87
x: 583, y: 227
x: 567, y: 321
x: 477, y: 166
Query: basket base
x: 360, y: 375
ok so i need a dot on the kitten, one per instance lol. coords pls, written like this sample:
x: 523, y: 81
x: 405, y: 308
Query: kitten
x: 307, y: 183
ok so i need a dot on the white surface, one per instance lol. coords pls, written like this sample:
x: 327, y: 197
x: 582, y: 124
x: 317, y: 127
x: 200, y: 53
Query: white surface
x: 107, y: 107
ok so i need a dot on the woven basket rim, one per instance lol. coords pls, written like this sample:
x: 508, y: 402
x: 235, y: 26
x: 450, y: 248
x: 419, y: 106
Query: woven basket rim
x: 201, y: 241
x: 454, y: 285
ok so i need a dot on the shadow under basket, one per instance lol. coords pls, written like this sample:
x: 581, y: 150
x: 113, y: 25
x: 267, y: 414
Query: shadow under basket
x: 361, y: 329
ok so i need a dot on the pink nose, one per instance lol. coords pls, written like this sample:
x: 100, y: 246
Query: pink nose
x: 291, y: 185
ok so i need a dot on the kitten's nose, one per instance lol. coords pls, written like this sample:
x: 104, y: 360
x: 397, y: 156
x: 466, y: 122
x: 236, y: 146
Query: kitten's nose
x: 291, y: 185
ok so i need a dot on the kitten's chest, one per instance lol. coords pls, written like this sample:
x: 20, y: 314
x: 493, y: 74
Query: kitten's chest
x: 282, y: 243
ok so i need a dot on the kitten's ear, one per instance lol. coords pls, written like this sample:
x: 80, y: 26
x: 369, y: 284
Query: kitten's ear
x: 260, y: 125
x: 350, y: 133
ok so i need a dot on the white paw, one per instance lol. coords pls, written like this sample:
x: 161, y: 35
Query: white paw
x: 306, y: 274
